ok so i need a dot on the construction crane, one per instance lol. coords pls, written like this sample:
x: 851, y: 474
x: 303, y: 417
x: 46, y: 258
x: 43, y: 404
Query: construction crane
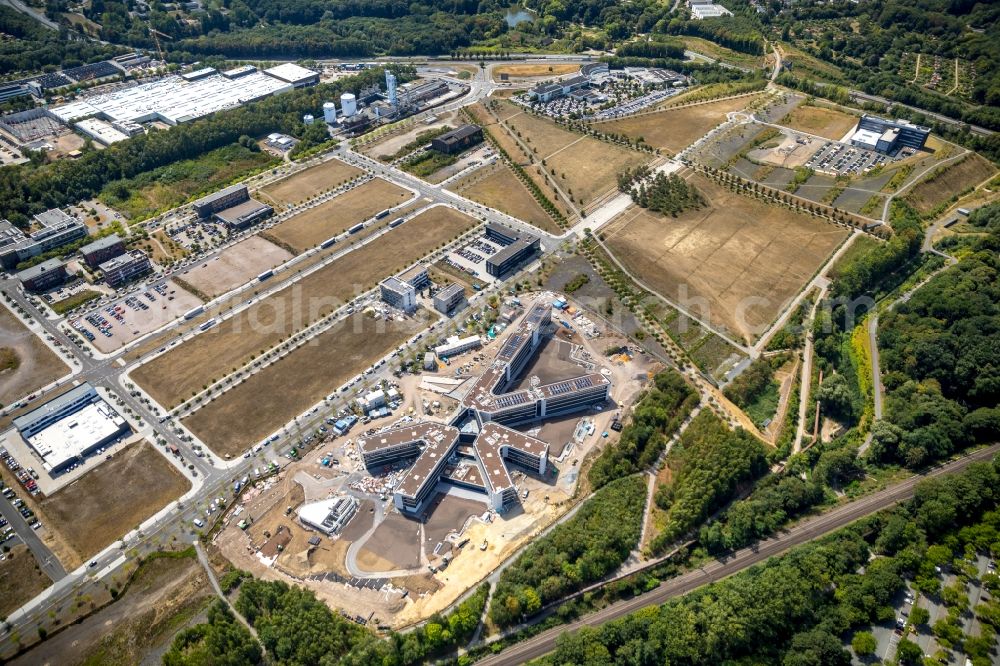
x: 156, y: 34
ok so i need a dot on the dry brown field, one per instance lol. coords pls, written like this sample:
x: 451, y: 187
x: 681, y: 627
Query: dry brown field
x: 176, y: 375
x: 112, y: 499
x: 735, y: 263
x: 585, y: 167
x: 20, y: 579
x: 235, y: 265
x: 331, y: 218
x: 934, y: 190
x: 310, y: 182
x: 496, y: 186
x: 26, y: 362
x: 231, y: 423
x: 828, y: 123
x: 533, y: 71
x: 675, y: 129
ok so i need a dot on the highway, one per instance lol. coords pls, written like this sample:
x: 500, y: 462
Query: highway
x: 801, y: 533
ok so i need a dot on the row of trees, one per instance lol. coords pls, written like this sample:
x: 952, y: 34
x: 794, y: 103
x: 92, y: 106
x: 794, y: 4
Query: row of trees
x: 800, y: 609
x: 297, y: 629
x: 584, y: 549
x: 656, y: 416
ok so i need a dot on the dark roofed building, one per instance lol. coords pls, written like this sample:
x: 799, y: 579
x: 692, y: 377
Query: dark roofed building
x: 102, y: 249
x: 458, y: 140
x: 43, y: 276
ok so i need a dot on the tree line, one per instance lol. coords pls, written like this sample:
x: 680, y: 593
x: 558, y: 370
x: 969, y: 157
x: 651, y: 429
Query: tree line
x: 587, y: 547
x: 802, y: 608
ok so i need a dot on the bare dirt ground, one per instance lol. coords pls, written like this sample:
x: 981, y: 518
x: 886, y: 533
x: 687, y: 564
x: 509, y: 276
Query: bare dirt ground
x: 395, y: 544
x: 312, y: 227
x: 936, y: 189
x: 26, y: 362
x: 447, y: 514
x: 821, y: 121
x: 137, y: 323
x: 788, y: 152
x: 235, y: 266
x: 164, y: 593
x: 179, y: 373
x: 98, y: 508
x: 736, y: 262
x: 496, y: 186
x: 234, y: 421
x: 393, y: 143
x: 308, y: 183
x: 20, y: 579
x: 522, y: 72
x: 675, y: 129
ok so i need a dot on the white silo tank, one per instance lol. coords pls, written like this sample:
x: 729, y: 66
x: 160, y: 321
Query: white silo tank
x: 308, y: 119
x: 329, y: 113
x: 348, y: 105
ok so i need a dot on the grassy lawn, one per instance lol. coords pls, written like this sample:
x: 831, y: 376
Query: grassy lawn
x: 74, y: 301
x: 427, y: 163
x: 169, y: 186
x: 765, y: 405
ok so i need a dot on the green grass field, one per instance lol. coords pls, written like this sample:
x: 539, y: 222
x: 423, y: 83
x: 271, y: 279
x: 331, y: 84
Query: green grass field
x: 170, y: 186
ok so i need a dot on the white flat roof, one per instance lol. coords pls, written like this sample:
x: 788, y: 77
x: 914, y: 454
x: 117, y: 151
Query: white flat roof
x: 866, y: 137
x: 68, y: 438
x: 290, y: 72
x: 101, y: 131
x: 173, y: 99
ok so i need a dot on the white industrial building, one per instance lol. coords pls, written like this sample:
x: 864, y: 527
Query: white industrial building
x: 173, y: 99
x: 100, y: 131
x: 67, y: 428
x: 329, y: 516
x: 298, y: 76
x: 456, y: 345
x: 702, y: 9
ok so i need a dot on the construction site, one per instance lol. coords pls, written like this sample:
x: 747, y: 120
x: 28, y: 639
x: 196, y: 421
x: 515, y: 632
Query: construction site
x: 393, y: 519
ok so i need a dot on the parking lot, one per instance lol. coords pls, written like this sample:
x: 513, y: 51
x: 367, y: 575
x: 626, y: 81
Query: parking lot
x: 840, y: 158
x: 471, y: 257
x: 129, y: 318
x: 612, y: 98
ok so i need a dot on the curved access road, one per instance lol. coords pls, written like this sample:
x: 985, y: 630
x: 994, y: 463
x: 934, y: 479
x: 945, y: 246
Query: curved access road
x: 803, y: 532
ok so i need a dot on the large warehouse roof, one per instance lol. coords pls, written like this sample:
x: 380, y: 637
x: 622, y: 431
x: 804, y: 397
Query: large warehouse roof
x: 291, y: 72
x: 173, y: 99
x: 76, y: 434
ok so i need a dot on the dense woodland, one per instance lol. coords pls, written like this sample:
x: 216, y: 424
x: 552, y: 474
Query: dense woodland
x: 297, y: 629
x: 866, y: 43
x: 707, y: 465
x: 584, y: 549
x: 940, y: 356
x: 803, y: 609
x: 29, y: 47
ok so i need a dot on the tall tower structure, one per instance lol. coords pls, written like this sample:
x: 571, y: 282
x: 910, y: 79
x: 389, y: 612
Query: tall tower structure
x: 390, y: 87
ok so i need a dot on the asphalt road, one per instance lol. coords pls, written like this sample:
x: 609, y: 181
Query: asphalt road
x: 806, y: 531
x: 48, y: 562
